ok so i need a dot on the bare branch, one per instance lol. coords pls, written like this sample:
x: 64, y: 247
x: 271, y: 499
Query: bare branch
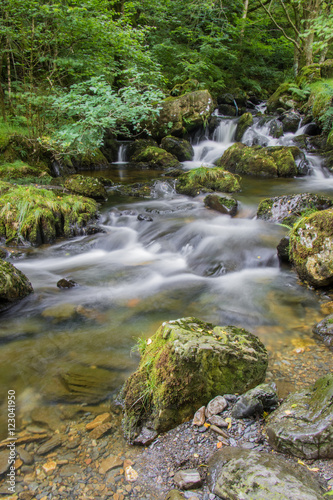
x: 289, y: 18
x: 279, y: 27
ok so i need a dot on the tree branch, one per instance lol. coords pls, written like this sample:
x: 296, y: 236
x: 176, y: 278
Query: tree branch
x: 289, y: 18
x: 279, y: 27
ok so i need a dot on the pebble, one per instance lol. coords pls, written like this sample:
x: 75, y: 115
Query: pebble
x: 100, y: 419
x: 110, y: 463
x: 199, y: 417
x: 99, y: 431
x: 49, y: 445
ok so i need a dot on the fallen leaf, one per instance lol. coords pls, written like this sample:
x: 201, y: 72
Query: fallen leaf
x: 219, y: 445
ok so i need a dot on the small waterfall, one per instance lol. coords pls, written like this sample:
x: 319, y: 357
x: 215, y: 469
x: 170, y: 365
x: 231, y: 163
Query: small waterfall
x: 225, y: 132
x: 122, y: 153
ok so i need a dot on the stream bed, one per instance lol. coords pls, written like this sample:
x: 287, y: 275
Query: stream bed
x: 186, y: 261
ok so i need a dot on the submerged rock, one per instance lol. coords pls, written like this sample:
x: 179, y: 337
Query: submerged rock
x: 237, y: 473
x: 287, y: 209
x: 14, y: 285
x: 311, y: 248
x: 86, y: 186
x: 184, y: 113
x: 221, y: 204
x: 204, y: 179
x: 303, y: 424
x: 256, y: 401
x: 186, y: 364
x: 272, y: 161
x: 180, y: 148
x: 324, y: 330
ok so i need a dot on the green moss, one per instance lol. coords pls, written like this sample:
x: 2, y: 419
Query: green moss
x: 86, y: 186
x: 21, y: 173
x: 156, y: 158
x: 205, y: 179
x: 14, y: 285
x: 91, y: 161
x: 245, y: 121
x: 40, y: 215
x: 184, y: 365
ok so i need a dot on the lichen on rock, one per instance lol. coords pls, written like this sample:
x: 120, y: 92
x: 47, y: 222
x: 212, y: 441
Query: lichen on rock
x: 311, y: 248
x: 183, y: 366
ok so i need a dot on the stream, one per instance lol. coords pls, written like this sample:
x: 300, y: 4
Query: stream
x: 186, y: 261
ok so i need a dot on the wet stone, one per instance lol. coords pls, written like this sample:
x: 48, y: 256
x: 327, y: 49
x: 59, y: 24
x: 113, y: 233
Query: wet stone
x: 25, y: 456
x: 51, y: 444
x: 4, y: 465
x: 69, y: 470
x: 187, y: 479
x: 256, y: 401
x: 66, y: 283
x: 145, y: 437
x: 218, y: 421
x: 110, y: 463
x: 199, y: 417
x: 324, y: 330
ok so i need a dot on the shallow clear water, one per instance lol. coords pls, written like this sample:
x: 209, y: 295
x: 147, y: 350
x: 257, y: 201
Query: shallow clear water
x: 188, y: 261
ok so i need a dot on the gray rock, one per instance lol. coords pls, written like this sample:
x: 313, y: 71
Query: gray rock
x: 49, y: 445
x: 25, y: 456
x: 291, y: 121
x: 236, y: 473
x: 216, y: 406
x: 283, y: 249
x: 66, y: 283
x: 145, y: 437
x: 70, y: 470
x: 4, y: 465
x: 187, y: 479
x: 324, y: 330
x: 303, y: 424
x: 199, y: 417
x: 218, y: 421
x: 256, y: 401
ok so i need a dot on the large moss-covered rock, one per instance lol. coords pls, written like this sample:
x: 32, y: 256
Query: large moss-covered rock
x: 184, y: 113
x: 324, y: 330
x: 183, y: 88
x: 22, y: 173
x: 311, y: 248
x: 155, y: 158
x: 86, y: 186
x: 245, y: 121
x: 180, y: 148
x: 291, y: 121
x: 240, y: 474
x: 14, y: 285
x: 303, y: 424
x: 28, y: 213
x: 183, y: 366
x: 93, y: 160
x: 288, y: 209
x: 282, y: 98
x: 276, y: 161
x: 204, y: 179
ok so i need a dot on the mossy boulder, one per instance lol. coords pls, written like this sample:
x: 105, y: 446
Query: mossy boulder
x: 38, y: 216
x: 93, y: 160
x: 22, y: 173
x: 136, y: 190
x: 282, y: 98
x: 276, y: 161
x: 288, y: 209
x: 181, y: 114
x: 183, y: 88
x: 139, y: 145
x: 311, y: 248
x: 204, y: 179
x: 14, y: 285
x: 221, y: 204
x: 185, y: 365
x: 245, y: 121
x: 155, y: 158
x: 235, y: 473
x: 303, y: 424
x: 291, y: 121
x: 86, y: 186
x: 180, y: 148
x: 324, y: 330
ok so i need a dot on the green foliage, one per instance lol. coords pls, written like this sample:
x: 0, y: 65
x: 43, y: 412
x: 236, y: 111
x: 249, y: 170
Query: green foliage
x: 19, y: 172
x: 91, y: 107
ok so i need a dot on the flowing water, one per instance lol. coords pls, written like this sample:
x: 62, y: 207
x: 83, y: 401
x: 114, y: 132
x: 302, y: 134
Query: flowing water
x: 186, y: 261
